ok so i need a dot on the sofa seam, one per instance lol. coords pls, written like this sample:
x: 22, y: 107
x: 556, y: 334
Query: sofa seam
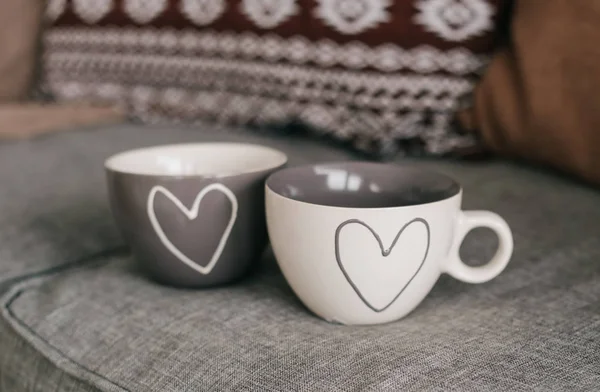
x: 15, y: 292
x: 11, y: 281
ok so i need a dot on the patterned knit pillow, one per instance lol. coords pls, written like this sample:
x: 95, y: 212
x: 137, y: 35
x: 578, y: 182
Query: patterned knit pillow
x: 382, y: 75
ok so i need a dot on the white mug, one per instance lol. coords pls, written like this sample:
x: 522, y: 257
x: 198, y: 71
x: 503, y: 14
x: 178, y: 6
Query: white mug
x: 364, y: 243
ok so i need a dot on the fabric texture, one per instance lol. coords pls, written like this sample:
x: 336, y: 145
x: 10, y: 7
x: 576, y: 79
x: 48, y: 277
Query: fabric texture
x: 102, y: 326
x: 23, y: 368
x: 537, y: 100
x: 381, y: 76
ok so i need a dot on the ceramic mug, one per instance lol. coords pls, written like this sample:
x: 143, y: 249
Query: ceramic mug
x: 193, y: 214
x: 364, y: 243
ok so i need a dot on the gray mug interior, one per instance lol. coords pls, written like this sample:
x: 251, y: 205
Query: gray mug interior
x: 362, y: 185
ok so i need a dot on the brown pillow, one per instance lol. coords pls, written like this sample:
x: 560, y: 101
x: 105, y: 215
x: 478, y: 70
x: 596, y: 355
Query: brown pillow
x: 20, y: 23
x: 539, y: 99
x: 381, y: 75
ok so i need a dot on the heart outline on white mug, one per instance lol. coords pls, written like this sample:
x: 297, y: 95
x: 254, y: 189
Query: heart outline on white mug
x: 384, y: 252
x: 192, y: 214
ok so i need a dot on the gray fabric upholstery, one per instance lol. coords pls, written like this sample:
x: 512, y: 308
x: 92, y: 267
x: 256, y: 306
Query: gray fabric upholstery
x: 102, y: 326
x: 23, y: 368
x: 51, y: 205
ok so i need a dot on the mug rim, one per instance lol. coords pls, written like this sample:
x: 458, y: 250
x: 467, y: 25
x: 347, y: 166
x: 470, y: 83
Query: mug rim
x: 406, y: 167
x: 279, y: 159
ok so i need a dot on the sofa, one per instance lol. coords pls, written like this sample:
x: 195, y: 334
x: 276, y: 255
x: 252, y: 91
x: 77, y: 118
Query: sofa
x: 420, y: 82
x: 78, y: 315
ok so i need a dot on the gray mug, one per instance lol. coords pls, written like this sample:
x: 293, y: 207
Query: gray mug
x: 192, y: 214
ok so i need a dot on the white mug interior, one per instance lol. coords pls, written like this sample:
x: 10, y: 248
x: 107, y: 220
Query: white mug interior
x: 197, y: 159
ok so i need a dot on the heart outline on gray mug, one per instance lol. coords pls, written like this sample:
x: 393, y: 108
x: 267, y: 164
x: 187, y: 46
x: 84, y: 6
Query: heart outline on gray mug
x: 192, y: 213
x: 385, y: 253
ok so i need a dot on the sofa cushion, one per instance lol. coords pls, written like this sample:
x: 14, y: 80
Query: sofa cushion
x: 25, y: 369
x: 535, y: 327
x: 53, y: 204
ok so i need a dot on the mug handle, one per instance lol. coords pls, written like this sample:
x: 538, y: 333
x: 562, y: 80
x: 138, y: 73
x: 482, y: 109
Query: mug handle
x: 467, y: 221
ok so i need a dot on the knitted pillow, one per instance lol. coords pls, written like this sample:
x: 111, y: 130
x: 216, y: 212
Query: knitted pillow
x: 381, y: 75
